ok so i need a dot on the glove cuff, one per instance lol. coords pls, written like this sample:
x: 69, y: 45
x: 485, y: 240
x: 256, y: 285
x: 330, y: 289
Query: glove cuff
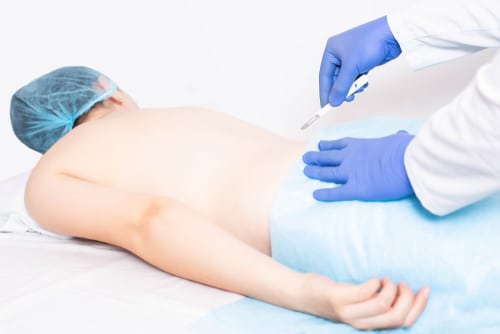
x: 392, y: 47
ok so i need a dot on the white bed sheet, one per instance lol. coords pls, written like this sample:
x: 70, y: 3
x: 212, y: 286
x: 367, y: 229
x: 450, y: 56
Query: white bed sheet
x: 78, y: 286
x: 50, y: 284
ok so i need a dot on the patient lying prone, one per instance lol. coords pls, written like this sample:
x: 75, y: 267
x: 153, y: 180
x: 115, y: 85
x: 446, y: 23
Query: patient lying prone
x: 191, y: 191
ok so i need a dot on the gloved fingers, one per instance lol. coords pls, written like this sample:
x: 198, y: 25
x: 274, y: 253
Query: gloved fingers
x: 342, y: 85
x: 352, y: 96
x: 337, y: 144
x: 326, y: 174
x: 328, y: 72
x: 324, y: 158
x: 339, y: 193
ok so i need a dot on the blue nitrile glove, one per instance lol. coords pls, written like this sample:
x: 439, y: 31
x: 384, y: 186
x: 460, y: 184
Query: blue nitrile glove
x: 367, y: 169
x: 351, y: 53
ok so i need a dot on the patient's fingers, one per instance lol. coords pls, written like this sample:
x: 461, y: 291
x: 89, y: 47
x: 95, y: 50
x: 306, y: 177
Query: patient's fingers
x: 405, y: 305
x: 396, y: 316
x: 378, y: 304
x: 355, y: 293
x: 418, y: 306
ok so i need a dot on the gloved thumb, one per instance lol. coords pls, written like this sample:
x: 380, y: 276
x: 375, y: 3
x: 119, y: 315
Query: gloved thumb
x: 339, y: 193
x: 342, y: 85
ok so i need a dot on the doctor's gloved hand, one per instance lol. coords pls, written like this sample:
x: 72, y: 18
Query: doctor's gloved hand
x: 352, y: 53
x: 366, y: 169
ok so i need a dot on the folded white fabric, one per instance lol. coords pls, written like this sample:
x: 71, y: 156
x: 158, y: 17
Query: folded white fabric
x: 13, y: 214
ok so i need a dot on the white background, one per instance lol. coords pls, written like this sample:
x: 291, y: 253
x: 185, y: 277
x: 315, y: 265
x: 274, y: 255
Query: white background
x: 257, y: 60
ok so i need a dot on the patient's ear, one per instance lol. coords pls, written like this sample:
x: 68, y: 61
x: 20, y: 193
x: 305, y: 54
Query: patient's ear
x: 104, y: 84
x: 117, y: 98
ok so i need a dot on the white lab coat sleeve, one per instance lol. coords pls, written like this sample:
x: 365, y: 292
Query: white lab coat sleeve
x: 436, y: 31
x: 454, y: 160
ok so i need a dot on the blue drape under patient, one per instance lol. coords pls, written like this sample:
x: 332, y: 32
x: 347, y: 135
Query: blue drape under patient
x: 456, y: 255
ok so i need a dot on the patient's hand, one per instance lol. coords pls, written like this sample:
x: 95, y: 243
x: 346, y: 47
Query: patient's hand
x: 374, y: 304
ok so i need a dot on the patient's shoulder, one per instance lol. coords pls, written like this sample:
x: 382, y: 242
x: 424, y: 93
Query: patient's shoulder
x: 67, y: 156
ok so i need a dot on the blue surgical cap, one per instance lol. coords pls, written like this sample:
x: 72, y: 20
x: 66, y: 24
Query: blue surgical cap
x: 44, y: 110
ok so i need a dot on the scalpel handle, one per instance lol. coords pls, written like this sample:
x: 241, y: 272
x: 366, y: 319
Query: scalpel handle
x: 356, y: 85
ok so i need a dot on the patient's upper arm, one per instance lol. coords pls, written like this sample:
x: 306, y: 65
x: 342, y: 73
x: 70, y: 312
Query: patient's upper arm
x: 66, y: 204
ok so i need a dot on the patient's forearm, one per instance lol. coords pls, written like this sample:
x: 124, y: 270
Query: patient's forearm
x: 182, y: 242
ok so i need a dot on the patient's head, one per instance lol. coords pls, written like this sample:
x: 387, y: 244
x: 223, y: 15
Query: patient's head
x: 44, y: 110
x: 118, y: 101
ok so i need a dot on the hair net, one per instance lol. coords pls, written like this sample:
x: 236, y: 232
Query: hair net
x: 44, y: 110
